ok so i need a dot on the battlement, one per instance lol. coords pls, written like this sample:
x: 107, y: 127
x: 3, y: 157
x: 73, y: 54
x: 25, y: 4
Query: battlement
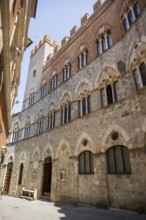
x: 84, y: 21
x: 46, y: 39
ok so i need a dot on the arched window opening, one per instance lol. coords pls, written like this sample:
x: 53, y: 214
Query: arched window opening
x: 118, y: 161
x: 84, y: 106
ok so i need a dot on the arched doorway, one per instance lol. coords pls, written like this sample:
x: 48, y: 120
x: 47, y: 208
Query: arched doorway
x: 8, y: 177
x: 47, y: 176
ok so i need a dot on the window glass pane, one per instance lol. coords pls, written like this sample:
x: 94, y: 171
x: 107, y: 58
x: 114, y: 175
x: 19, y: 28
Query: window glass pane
x: 103, y: 44
x: 142, y: 69
x: 109, y: 95
x: 130, y: 18
x: 98, y: 47
x: 81, y: 163
x: 87, y: 162
x: 119, y: 161
x: 126, y: 160
x: 111, y: 161
x: 84, y: 106
x: 109, y: 39
x: 88, y: 100
x: 136, y: 9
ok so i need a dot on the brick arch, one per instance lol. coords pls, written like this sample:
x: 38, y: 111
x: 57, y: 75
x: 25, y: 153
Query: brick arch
x: 66, y: 97
x: 104, y: 28
x: 90, y: 144
x: 62, y: 146
x: 48, y: 151
x: 115, y: 128
x: 35, y: 153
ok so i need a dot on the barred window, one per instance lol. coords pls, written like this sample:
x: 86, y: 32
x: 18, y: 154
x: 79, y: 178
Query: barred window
x: 86, y: 163
x: 118, y: 161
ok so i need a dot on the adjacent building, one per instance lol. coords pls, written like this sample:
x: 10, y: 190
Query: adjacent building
x: 14, y: 22
x: 81, y: 135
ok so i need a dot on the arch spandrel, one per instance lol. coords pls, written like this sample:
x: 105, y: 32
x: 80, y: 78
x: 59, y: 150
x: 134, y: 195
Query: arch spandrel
x: 63, y: 146
x: 123, y: 138
x: 80, y: 146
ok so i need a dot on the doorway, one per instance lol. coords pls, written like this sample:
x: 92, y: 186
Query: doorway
x: 8, y: 178
x: 47, y: 176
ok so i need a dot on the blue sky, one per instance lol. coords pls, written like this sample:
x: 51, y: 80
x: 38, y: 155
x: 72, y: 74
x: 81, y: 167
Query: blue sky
x: 54, y: 18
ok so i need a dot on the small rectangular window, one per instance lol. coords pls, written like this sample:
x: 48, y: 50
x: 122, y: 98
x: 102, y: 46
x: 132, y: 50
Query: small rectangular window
x: 34, y: 73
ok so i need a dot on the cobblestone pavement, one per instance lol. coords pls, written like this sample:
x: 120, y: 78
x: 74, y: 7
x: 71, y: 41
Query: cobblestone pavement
x: 21, y: 209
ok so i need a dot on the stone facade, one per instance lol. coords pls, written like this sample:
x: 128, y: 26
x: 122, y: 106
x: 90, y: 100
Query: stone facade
x: 99, y: 126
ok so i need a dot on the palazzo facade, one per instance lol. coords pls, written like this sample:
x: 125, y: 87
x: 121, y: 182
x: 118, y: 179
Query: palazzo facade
x: 81, y: 135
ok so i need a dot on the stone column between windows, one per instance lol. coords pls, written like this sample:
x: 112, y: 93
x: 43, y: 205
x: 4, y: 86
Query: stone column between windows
x: 63, y: 114
x: 52, y: 118
x: 81, y: 108
x: 68, y: 70
x: 67, y: 106
x: 86, y: 105
x: 112, y: 87
x: 105, y: 92
x: 80, y: 61
x: 55, y: 82
x: 133, y: 13
x: 105, y: 36
x: 127, y: 21
x: 49, y: 122
x: 84, y: 58
x: 139, y: 76
x: 100, y: 46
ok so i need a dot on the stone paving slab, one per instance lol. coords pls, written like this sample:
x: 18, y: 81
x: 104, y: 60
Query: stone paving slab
x: 21, y: 209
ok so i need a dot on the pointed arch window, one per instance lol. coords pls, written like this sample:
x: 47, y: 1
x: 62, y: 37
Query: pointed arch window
x: 66, y: 113
x: 15, y: 132
x: 40, y: 125
x: 44, y: 90
x: 83, y: 59
x: 27, y: 130
x: 132, y: 15
x: 66, y: 72
x: 118, y: 161
x: 54, y: 82
x: 51, y: 120
x: 84, y: 106
x: 31, y: 98
x: 86, y: 163
x: 139, y: 74
x: 104, y: 42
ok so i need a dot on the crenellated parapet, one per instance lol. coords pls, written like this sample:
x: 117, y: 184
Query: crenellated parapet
x: 85, y: 20
x: 46, y: 39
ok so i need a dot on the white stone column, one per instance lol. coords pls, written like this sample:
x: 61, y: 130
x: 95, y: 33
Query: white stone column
x: 67, y: 106
x: 105, y: 92
x: 84, y: 58
x: 81, y: 108
x: 113, y: 94
x: 139, y: 76
x: 68, y: 71
x: 132, y: 10
x: 106, y: 40
x: 63, y: 114
x: 100, y: 46
x: 86, y: 105
x: 80, y: 61
x: 55, y: 81
x: 49, y: 122
x: 127, y: 21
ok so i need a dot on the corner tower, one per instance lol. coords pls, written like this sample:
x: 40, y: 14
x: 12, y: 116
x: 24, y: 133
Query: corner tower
x: 38, y: 58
